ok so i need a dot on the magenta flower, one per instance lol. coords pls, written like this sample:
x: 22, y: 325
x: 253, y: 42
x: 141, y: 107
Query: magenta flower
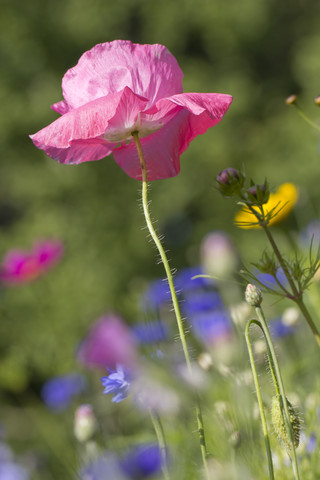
x: 108, y: 343
x: 118, y: 88
x: 19, y: 266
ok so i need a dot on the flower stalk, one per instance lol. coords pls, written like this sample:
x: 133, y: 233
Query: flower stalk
x: 259, y: 397
x: 157, y: 425
x: 175, y: 302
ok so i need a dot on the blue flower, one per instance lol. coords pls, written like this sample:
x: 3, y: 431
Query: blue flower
x: 184, y: 282
x: 118, y: 382
x: 142, y: 462
x: 106, y: 466
x: 279, y: 329
x: 201, y: 302
x: 150, y: 332
x: 157, y: 295
x: 212, y: 326
x: 12, y: 471
x: 311, y: 443
x: 58, y: 392
x: 311, y: 232
x: 269, y: 281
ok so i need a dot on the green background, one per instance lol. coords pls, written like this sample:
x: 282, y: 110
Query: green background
x: 258, y: 51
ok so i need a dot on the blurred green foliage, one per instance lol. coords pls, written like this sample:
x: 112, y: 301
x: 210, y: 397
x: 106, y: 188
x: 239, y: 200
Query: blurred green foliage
x: 258, y: 51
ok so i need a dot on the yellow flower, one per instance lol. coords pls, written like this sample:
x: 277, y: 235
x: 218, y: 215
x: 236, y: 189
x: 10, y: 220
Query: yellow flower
x: 283, y: 201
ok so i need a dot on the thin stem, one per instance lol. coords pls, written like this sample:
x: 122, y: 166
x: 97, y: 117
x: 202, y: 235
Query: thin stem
x: 259, y: 397
x: 284, y: 405
x: 307, y: 119
x: 175, y: 302
x: 161, y: 442
x: 297, y: 296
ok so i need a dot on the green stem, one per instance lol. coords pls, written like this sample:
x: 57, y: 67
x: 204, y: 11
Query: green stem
x: 296, y: 295
x: 161, y: 442
x: 307, y: 119
x: 258, y: 392
x: 175, y: 302
x: 284, y: 408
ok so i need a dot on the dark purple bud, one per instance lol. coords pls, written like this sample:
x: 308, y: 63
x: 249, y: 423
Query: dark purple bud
x: 254, y: 189
x: 227, y: 176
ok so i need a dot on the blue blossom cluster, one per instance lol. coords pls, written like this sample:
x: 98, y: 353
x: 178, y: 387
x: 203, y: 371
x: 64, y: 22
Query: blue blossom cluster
x: 58, y: 392
x: 141, y: 462
x: 118, y: 383
x: 200, y: 302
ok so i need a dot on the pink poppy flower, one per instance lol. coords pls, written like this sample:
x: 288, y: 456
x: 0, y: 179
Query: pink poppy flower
x: 108, y: 343
x: 19, y: 266
x: 118, y: 88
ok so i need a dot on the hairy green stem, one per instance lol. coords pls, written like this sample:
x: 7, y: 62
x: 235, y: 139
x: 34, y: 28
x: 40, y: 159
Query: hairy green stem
x: 175, y: 302
x: 259, y: 397
x: 284, y: 405
x: 307, y: 119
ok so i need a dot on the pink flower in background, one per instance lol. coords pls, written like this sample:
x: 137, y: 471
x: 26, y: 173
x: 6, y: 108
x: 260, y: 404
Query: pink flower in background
x: 108, y: 343
x: 19, y: 266
x: 120, y: 87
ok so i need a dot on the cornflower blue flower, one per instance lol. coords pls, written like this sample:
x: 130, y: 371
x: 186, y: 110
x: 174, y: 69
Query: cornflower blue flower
x: 310, y: 232
x: 212, y: 326
x: 311, y: 443
x: 58, y: 392
x: 157, y: 295
x: 184, y: 280
x: 201, y: 302
x: 142, y: 462
x: 150, y: 332
x: 13, y: 471
x: 117, y: 382
x: 279, y: 329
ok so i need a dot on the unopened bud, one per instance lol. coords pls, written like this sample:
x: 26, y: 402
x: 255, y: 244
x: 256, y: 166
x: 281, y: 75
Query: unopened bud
x: 253, y: 295
x: 228, y: 175
x: 85, y: 423
x: 205, y: 361
x: 317, y: 100
x: 235, y: 439
x: 279, y: 424
x: 291, y: 100
x: 255, y: 189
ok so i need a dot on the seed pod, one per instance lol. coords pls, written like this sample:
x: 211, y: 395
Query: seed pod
x: 279, y: 425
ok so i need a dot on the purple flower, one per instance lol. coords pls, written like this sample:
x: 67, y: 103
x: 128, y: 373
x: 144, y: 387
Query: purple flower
x: 117, y: 382
x: 142, y: 462
x: 108, y: 343
x: 150, y: 332
x: 269, y: 281
x: 58, y: 392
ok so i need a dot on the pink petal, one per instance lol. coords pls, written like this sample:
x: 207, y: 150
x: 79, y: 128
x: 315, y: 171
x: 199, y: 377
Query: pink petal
x: 150, y: 71
x: 77, y: 136
x: 61, y: 107
x: 185, y: 116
